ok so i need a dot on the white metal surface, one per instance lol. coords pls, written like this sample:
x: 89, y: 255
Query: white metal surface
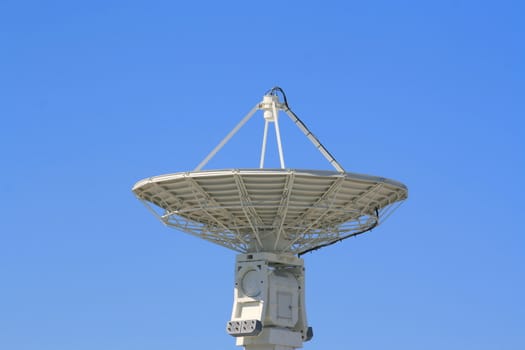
x: 275, y: 210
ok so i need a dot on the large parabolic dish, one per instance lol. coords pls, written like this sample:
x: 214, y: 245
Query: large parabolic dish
x: 277, y: 210
x: 271, y: 217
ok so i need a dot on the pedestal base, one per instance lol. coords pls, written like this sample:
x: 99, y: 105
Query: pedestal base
x: 272, y: 339
x: 268, y: 309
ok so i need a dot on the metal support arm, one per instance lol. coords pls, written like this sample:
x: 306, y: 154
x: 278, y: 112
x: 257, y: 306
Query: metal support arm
x: 314, y: 140
x: 227, y: 138
x: 271, y: 107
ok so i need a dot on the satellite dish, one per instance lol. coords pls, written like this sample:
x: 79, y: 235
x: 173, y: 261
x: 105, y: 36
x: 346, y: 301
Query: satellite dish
x: 271, y: 217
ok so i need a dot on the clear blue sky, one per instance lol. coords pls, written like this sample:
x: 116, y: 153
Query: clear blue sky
x: 95, y: 95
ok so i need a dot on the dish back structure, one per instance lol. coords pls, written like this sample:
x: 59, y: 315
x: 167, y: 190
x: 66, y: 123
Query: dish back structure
x: 270, y: 210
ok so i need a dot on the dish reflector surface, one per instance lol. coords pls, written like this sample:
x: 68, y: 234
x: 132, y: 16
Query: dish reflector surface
x: 277, y: 210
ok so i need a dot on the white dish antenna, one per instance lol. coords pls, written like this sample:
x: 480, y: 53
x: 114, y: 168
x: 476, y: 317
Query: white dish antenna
x: 272, y: 217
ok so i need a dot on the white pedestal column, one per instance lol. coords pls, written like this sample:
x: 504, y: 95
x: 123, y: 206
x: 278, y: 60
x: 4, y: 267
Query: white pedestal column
x: 268, y: 310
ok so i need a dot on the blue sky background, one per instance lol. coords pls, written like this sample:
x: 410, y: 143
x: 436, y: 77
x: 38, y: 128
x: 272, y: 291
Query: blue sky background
x: 97, y: 95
